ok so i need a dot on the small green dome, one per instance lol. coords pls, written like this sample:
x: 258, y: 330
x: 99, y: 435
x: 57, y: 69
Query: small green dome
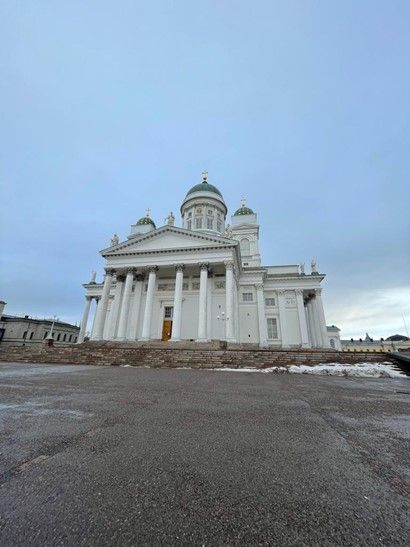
x: 204, y: 187
x: 145, y: 220
x: 243, y: 211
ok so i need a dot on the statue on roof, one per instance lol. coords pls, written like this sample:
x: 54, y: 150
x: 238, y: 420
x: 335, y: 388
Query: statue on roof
x: 115, y: 240
x: 93, y: 276
x: 313, y: 266
x: 170, y: 220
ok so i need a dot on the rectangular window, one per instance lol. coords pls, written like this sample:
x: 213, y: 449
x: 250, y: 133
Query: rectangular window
x: 210, y: 212
x: 198, y: 223
x: 189, y: 225
x: 247, y: 297
x: 218, y: 225
x: 190, y: 214
x: 168, y: 312
x: 210, y: 223
x: 272, y: 328
x: 269, y: 301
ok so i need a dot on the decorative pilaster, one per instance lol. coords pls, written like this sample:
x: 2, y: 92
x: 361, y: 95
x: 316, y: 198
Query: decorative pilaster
x: 263, y: 331
x: 97, y: 303
x: 125, y: 304
x: 283, y: 318
x: 84, y: 320
x: 302, y: 319
x: 146, y: 325
x: 102, y: 307
x: 177, y: 318
x: 308, y: 323
x: 229, y: 281
x: 203, y: 290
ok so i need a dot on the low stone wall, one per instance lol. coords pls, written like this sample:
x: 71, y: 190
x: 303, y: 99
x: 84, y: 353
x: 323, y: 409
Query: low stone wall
x: 183, y: 354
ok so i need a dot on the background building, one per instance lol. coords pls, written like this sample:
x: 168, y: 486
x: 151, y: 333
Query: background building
x: 396, y: 342
x: 21, y: 331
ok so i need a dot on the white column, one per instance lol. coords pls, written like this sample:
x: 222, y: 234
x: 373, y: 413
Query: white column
x: 125, y: 305
x: 321, y: 317
x: 282, y: 319
x: 229, y: 281
x: 316, y: 323
x: 302, y: 319
x: 102, y: 306
x: 177, y: 318
x: 263, y: 330
x: 84, y: 320
x: 135, y: 308
x: 308, y: 323
x: 146, y: 324
x: 97, y: 303
x: 203, y: 294
x: 209, y: 307
x: 119, y: 286
x: 312, y: 322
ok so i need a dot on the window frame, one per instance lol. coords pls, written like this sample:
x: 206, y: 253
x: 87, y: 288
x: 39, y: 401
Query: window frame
x: 274, y: 328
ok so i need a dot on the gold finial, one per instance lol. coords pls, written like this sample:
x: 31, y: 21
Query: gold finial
x: 204, y: 176
x: 243, y: 202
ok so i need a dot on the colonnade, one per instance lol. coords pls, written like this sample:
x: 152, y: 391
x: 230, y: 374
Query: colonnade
x: 125, y: 308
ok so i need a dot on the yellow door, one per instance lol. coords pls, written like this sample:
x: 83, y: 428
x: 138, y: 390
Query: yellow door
x: 166, y: 329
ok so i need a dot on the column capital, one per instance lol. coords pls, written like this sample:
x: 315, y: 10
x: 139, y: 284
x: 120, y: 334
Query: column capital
x: 139, y: 277
x: 318, y: 292
x: 281, y: 292
x: 229, y: 264
x: 130, y: 270
x: 179, y: 267
x: 120, y: 276
x: 204, y: 266
x: 299, y: 292
x: 152, y: 269
x: 89, y: 298
x: 259, y: 286
x: 109, y: 271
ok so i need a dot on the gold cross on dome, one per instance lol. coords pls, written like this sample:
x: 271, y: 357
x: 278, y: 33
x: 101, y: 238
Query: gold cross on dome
x: 148, y: 212
x: 243, y: 202
x: 205, y: 176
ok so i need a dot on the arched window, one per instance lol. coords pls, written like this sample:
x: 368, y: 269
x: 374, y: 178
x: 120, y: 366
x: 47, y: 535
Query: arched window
x: 245, y: 247
x: 31, y: 335
x: 58, y: 336
x: 45, y: 335
x: 332, y: 343
x: 64, y: 338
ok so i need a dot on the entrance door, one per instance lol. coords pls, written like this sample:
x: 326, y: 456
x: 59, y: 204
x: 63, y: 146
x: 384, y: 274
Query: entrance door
x: 167, y: 324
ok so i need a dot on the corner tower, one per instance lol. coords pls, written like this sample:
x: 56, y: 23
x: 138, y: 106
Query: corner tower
x: 245, y: 229
x: 204, y: 209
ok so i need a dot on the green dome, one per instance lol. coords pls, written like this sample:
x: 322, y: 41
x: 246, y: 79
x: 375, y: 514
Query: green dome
x: 204, y: 187
x: 145, y: 220
x: 243, y: 211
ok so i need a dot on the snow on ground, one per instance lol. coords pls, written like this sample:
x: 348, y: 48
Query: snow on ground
x: 372, y: 370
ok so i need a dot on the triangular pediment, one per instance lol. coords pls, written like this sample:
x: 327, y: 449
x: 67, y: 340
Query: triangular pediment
x: 168, y: 238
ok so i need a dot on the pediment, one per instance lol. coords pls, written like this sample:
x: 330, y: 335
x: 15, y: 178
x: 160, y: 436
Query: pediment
x: 168, y: 238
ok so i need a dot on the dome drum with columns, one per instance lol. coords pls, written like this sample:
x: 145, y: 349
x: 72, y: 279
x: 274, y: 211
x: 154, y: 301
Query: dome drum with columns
x: 203, y: 281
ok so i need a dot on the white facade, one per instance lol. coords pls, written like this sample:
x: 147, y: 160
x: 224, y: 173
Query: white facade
x: 203, y: 282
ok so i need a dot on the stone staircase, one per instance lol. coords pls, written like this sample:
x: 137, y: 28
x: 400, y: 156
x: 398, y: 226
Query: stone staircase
x: 181, y: 354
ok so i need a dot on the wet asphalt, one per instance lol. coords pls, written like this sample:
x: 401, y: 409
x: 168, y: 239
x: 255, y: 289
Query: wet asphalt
x: 129, y: 456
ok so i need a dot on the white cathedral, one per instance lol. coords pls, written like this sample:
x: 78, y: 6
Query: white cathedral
x: 204, y: 281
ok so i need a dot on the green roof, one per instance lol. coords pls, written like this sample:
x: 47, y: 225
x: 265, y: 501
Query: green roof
x: 243, y: 211
x: 145, y: 220
x: 204, y: 187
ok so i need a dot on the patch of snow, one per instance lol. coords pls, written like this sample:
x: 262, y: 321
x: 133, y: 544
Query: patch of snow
x: 364, y: 370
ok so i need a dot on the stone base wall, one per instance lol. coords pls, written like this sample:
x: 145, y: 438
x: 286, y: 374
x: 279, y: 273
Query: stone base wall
x: 184, y: 354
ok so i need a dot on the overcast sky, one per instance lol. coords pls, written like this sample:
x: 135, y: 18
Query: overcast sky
x: 108, y: 108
